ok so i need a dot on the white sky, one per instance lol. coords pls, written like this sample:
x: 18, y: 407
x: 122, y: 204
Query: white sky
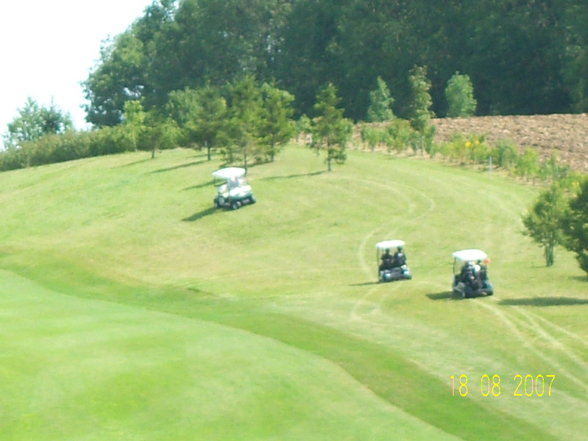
x: 48, y: 47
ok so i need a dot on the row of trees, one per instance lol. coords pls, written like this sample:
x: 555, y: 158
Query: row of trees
x: 245, y: 121
x: 522, y: 57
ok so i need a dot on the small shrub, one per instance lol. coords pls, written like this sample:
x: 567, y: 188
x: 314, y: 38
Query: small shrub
x: 528, y: 164
x: 400, y: 135
x: 505, y: 155
x: 372, y: 136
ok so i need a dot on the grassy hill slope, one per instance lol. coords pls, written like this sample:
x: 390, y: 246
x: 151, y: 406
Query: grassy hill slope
x: 309, y: 346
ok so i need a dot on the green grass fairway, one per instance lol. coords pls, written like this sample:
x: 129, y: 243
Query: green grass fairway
x: 132, y: 310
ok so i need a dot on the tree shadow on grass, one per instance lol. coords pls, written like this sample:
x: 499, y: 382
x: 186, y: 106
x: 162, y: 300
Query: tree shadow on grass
x: 204, y: 184
x: 445, y: 295
x: 300, y: 175
x: 188, y: 164
x: 545, y: 301
x: 130, y: 164
x: 200, y: 214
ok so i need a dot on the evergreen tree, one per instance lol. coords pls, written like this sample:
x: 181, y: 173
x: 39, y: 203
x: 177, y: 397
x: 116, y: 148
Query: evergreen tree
x: 276, y: 126
x: 420, y: 109
x: 207, y: 119
x: 239, y: 135
x: 330, y: 130
x: 380, y: 108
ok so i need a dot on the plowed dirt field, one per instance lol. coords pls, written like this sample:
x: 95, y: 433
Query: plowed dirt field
x: 567, y: 135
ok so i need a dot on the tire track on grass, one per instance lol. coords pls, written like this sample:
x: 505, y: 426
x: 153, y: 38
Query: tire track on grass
x: 561, y: 329
x: 529, y: 320
x: 556, y: 343
x: 355, y: 313
x: 512, y: 325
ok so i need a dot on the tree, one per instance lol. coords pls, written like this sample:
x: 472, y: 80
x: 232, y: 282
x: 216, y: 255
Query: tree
x: 276, y: 126
x: 420, y: 109
x: 240, y: 133
x: 161, y: 134
x: 330, y: 130
x: 543, y: 220
x: 34, y: 121
x: 129, y: 66
x: 460, y: 96
x: 575, y: 226
x: 206, y: 117
x: 118, y: 78
x: 380, y: 108
x: 134, y: 117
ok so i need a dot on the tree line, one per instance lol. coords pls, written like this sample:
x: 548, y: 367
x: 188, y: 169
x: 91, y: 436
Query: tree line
x: 522, y: 57
x: 244, y: 121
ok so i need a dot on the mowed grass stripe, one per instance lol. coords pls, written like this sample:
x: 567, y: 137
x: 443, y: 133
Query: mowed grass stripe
x: 81, y: 369
x: 395, y: 379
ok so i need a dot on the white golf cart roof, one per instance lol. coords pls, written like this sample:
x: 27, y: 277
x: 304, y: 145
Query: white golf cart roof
x: 229, y: 173
x: 388, y: 244
x: 470, y: 255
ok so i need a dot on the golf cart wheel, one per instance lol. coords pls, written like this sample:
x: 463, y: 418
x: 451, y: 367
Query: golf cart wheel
x: 235, y: 205
x: 252, y: 200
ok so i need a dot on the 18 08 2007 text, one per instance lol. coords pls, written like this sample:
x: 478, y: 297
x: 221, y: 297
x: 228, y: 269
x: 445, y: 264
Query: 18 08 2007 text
x: 524, y: 386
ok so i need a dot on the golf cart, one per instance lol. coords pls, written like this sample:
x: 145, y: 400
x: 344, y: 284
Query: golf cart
x: 470, y: 277
x: 234, y: 191
x: 392, y: 261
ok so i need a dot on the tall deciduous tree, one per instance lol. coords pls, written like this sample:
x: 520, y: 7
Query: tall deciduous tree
x: 544, y: 218
x: 575, y: 226
x: 129, y: 66
x: 330, y: 130
x: 575, y: 69
x: 118, y: 78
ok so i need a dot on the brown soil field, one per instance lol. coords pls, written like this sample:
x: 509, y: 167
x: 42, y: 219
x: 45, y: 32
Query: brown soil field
x: 566, y: 135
